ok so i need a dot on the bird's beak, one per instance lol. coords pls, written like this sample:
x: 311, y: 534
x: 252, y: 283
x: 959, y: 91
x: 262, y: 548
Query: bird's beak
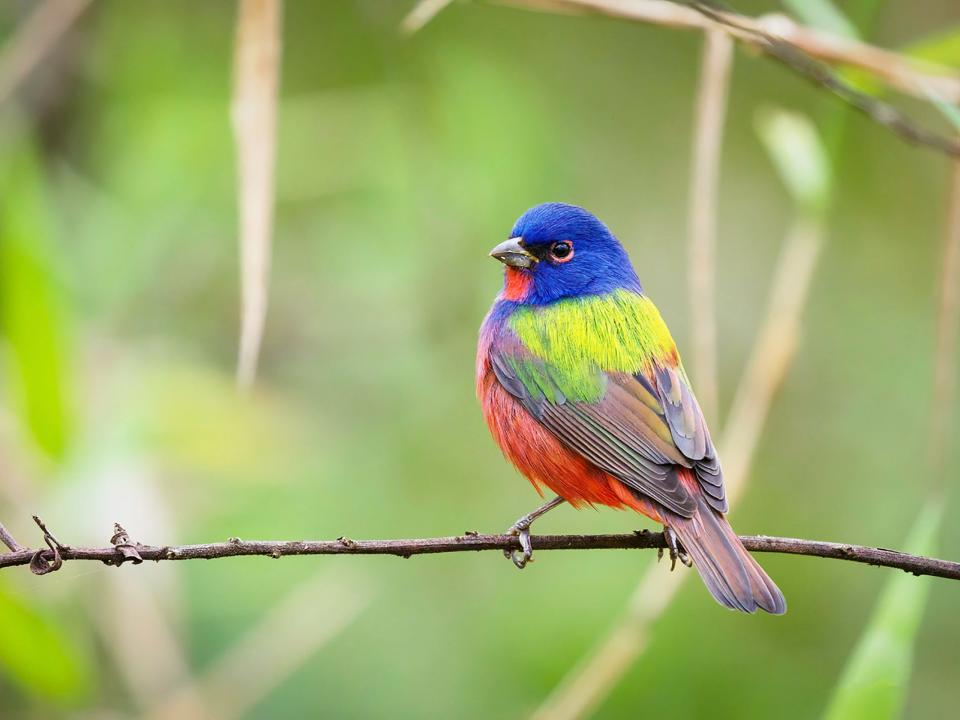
x: 511, y: 252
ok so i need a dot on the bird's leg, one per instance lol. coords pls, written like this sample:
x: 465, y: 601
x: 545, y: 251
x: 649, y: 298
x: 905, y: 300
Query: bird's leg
x: 676, y: 550
x: 521, y: 528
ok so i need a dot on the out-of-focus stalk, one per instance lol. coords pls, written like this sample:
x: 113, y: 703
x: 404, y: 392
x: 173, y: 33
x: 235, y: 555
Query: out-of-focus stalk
x: 275, y: 647
x: 710, y: 115
x: 945, y: 363
x: 256, y: 86
x: 36, y: 37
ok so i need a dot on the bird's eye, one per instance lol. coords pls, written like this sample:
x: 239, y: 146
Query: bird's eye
x: 562, y: 251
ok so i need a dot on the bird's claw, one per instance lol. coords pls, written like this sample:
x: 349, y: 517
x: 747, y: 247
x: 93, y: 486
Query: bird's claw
x: 521, y: 529
x: 676, y: 550
x: 522, y: 532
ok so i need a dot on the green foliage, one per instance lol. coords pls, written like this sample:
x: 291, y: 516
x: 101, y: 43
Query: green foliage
x: 799, y: 157
x: 36, y: 654
x: 874, y: 683
x: 30, y: 316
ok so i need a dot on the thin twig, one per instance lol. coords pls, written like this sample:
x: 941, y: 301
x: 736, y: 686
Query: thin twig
x: 47, y: 535
x: 256, y: 83
x: 799, y: 61
x: 642, y: 540
x: 36, y: 36
x: 711, y: 111
x: 9, y: 540
x: 803, y: 50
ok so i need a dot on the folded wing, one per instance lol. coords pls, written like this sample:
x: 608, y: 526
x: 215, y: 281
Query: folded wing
x: 637, y: 427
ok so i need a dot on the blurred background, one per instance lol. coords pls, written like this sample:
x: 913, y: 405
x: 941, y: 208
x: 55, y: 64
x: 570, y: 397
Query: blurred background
x: 401, y: 161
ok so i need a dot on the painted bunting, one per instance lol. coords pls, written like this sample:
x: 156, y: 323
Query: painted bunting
x: 583, y: 389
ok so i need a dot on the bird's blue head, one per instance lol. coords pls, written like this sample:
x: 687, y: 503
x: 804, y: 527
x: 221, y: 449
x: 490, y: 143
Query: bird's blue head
x: 560, y: 251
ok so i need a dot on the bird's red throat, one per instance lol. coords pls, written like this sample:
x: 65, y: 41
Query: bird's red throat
x: 516, y: 284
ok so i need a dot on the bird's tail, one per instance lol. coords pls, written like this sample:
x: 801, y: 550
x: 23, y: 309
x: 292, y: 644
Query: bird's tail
x: 730, y: 573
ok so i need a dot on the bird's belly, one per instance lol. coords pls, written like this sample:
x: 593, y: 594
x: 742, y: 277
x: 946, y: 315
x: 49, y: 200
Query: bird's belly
x: 545, y: 461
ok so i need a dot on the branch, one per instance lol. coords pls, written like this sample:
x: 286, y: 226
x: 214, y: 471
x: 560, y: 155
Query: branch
x: 807, y: 52
x: 801, y: 62
x: 906, y: 74
x: 9, y: 540
x: 641, y: 540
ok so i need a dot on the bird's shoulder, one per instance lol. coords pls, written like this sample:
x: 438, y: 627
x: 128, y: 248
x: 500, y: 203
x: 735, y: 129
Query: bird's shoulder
x: 621, y: 331
x: 569, y: 349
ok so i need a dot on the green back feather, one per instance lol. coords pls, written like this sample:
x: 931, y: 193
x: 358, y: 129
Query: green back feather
x: 576, y: 340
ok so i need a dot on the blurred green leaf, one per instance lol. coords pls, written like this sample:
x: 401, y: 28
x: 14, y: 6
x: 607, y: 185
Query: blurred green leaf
x: 874, y: 684
x: 29, y: 311
x: 794, y: 146
x: 823, y: 15
x: 36, y: 655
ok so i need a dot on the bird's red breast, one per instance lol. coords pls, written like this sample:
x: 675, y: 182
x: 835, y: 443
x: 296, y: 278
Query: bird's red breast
x: 542, y: 458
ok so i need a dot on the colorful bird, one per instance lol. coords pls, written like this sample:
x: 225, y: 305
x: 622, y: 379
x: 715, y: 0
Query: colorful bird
x: 583, y: 389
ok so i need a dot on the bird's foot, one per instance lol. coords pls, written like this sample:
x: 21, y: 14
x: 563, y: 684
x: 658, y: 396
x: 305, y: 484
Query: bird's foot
x: 521, y: 529
x: 676, y: 550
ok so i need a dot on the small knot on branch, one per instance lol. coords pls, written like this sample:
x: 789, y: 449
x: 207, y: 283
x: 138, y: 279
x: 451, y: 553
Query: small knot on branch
x: 125, y: 550
x: 46, y: 561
